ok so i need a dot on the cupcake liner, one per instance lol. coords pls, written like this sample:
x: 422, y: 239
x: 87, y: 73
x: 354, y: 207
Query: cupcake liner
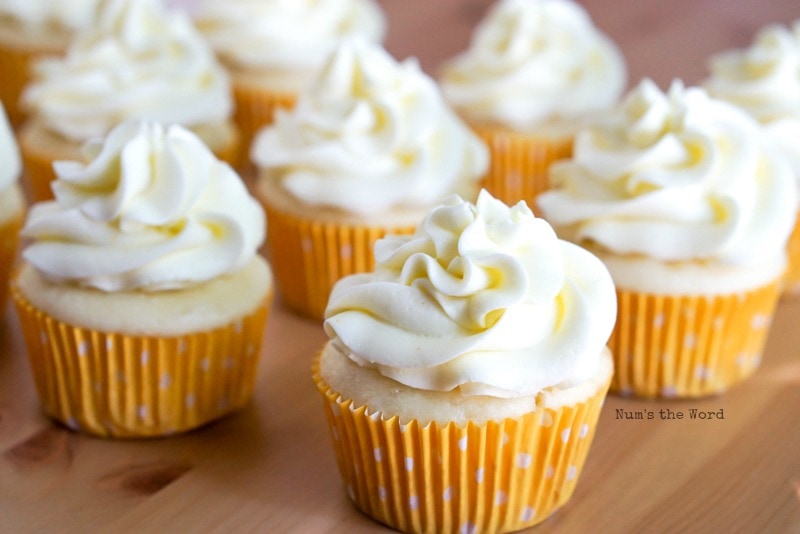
x: 689, y: 346
x: 519, y: 163
x: 9, y: 241
x: 792, y: 276
x: 255, y: 108
x: 127, y: 386
x: 501, y: 476
x: 309, y: 257
x: 14, y: 64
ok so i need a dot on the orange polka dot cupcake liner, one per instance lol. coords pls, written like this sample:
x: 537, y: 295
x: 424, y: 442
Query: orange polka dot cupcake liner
x: 309, y: 257
x: 9, y: 241
x: 254, y: 108
x: 689, y: 346
x: 519, y: 163
x: 792, y: 277
x: 501, y: 476
x: 14, y: 64
x: 127, y: 386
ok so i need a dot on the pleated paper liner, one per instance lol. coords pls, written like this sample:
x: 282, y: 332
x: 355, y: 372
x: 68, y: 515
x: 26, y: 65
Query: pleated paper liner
x: 309, y: 257
x: 38, y: 162
x: 9, y: 241
x: 14, y: 65
x: 255, y: 108
x: 792, y: 277
x: 519, y: 163
x: 127, y: 386
x: 689, y: 346
x: 501, y: 476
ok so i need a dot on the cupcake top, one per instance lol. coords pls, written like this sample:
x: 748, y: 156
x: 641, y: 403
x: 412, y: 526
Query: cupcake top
x: 139, y: 61
x: 369, y: 135
x: 535, y: 64
x: 764, y: 80
x: 10, y: 162
x: 72, y: 15
x: 288, y: 39
x: 675, y: 176
x: 153, y: 209
x: 483, y: 299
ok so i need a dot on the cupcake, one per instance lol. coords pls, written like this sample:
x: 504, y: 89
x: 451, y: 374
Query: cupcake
x: 31, y: 29
x: 764, y: 80
x: 464, y: 377
x: 141, y: 61
x: 535, y: 70
x: 12, y: 205
x: 690, y: 207
x: 273, y: 49
x: 368, y: 149
x: 141, y: 298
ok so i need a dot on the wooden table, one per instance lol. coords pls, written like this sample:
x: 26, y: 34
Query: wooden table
x: 269, y: 468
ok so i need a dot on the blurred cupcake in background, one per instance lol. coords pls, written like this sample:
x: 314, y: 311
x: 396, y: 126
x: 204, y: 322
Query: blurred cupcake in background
x: 141, y: 61
x: 12, y: 205
x: 30, y: 29
x: 368, y: 149
x: 534, y: 71
x: 142, y: 298
x: 273, y: 48
x: 764, y: 80
x: 464, y: 377
x: 690, y: 206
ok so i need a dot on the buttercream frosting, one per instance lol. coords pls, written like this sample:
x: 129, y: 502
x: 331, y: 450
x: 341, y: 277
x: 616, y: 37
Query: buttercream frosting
x: 140, y: 61
x: 532, y: 62
x: 675, y: 176
x: 764, y: 80
x: 369, y: 135
x: 483, y: 298
x: 289, y: 39
x: 71, y: 15
x: 153, y: 209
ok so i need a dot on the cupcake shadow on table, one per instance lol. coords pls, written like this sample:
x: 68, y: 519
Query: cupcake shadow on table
x: 142, y: 299
x: 690, y: 207
x: 465, y: 375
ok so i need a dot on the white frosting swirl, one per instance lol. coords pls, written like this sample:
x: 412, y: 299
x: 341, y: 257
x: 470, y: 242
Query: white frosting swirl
x: 764, y: 80
x: 483, y: 298
x: 533, y: 61
x: 140, y: 61
x: 369, y: 135
x: 288, y: 38
x: 153, y: 209
x: 10, y: 162
x: 676, y: 176
x: 72, y: 15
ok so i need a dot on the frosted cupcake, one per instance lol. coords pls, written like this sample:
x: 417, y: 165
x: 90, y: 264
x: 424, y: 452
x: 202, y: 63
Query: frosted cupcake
x: 369, y: 149
x: 30, y: 29
x: 142, y: 298
x: 464, y: 377
x: 140, y: 61
x: 274, y: 48
x: 535, y: 70
x: 12, y: 205
x: 690, y: 207
x: 764, y: 80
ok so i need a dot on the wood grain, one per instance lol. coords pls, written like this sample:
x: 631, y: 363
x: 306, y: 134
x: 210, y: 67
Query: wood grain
x: 269, y: 468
